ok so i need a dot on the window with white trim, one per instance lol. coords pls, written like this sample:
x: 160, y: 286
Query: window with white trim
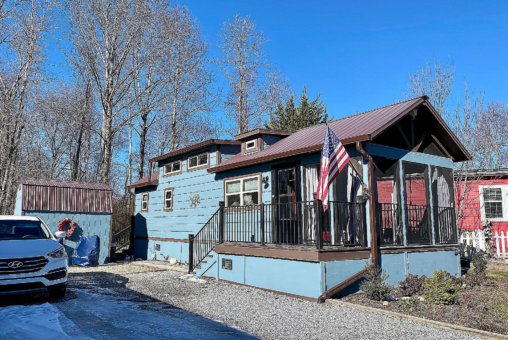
x: 144, y: 202
x: 172, y: 167
x: 197, y: 160
x: 250, y: 145
x: 494, y: 203
x: 242, y: 191
x: 168, y: 199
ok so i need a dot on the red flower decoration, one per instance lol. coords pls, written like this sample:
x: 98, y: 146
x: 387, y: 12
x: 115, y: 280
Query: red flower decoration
x: 67, y: 221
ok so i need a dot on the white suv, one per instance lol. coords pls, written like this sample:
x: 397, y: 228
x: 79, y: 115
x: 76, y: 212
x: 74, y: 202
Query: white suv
x: 31, y: 259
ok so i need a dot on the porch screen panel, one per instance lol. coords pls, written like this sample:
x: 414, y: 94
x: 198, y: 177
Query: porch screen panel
x: 311, y: 175
x: 388, y: 207
x: 418, y: 230
x: 445, y: 226
x: 347, y: 208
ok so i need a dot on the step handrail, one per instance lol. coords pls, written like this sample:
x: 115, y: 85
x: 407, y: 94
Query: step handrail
x: 203, y: 242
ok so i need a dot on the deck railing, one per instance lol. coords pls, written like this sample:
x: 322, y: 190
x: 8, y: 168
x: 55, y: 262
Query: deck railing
x: 122, y: 238
x: 418, y: 224
x: 201, y: 244
x: 389, y: 224
x: 292, y: 223
x: 296, y: 223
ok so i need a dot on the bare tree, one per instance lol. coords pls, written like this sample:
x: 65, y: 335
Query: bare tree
x: 98, y: 37
x: 24, y: 25
x: 64, y: 117
x: 434, y: 80
x: 254, y: 89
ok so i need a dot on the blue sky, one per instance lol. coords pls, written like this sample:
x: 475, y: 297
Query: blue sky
x: 358, y: 54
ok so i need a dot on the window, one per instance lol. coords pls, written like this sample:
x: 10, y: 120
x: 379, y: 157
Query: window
x: 242, y: 191
x: 168, y: 199
x: 144, y: 202
x: 196, y: 161
x: 250, y: 145
x: 173, y: 167
x: 493, y: 203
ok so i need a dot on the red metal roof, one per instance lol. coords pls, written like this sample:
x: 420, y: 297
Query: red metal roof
x: 63, y: 184
x: 56, y: 195
x: 144, y: 181
x: 358, y: 127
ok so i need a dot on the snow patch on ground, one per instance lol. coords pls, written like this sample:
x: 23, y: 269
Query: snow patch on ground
x: 31, y: 322
x: 192, y: 278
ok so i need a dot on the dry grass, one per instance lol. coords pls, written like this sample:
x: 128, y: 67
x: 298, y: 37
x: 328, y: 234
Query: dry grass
x: 502, y: 276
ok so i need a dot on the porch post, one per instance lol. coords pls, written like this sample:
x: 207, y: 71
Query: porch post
x: 191, y: 252
x: 262, y: 223
x: 319, y: 227
x: 221, y: 222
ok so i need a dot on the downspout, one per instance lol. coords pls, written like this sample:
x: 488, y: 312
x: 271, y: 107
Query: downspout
x: 373, y: 234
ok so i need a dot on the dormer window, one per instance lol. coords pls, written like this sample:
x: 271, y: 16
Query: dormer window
x: 198, y: 161
x: 250, y: 145
x: 173, y: 168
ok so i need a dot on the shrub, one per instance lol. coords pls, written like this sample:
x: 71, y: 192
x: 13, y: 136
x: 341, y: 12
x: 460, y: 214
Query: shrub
x: 479, y: 262
x: 410, y: 305
x: 473, y: 279
x: 412, y: 285
x: 440, y: 289
x: 374, y: 285
x: 455, y: 280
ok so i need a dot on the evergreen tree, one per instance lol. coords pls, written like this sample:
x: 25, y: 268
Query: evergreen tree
x: 293, y: 118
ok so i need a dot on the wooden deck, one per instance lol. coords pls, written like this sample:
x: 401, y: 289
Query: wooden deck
x: 294, y: 252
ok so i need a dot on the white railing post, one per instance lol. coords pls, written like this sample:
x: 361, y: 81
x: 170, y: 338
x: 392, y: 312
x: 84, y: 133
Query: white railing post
x: 503, y: 249
x: 496, y: 241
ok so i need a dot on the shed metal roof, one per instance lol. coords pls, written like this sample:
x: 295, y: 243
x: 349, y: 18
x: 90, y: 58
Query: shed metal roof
x: 63, y: 184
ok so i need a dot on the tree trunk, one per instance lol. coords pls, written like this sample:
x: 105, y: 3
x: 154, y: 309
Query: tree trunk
x: 142, y: 146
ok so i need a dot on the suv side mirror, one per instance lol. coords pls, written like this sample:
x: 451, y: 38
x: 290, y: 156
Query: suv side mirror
x: 60, y: 234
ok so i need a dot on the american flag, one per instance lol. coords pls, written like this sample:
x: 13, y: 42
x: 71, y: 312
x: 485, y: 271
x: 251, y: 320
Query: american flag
x: 333, y: 159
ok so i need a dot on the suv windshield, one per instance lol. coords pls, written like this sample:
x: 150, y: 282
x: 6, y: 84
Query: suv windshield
x: 22, y: 230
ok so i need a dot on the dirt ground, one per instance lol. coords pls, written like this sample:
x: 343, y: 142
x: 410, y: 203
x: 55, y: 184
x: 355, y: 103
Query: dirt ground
x: 474, y: 308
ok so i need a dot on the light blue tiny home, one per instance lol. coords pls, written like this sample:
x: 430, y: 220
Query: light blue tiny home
x: 253, y: 218
x: 89, y: 205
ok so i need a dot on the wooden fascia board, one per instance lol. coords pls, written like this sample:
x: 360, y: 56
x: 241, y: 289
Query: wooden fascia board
x: 397, y: 119
x: 448, y: 130
x: 195, y: 147
x: 296, y: 152
x: 140, y: 185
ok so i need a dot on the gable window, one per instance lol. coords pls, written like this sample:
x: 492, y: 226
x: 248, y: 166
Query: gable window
x: 493, y: 203
x: 197, y: 161
x: 173, y: 167
x: 144, y: 202
x: 242, y: 191
x: 168, y: 199
x: 250, y: 145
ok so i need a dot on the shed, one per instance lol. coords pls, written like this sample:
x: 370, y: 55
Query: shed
x: 89, y: 205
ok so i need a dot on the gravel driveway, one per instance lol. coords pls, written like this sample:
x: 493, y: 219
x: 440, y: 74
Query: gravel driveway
x: 263, y: 314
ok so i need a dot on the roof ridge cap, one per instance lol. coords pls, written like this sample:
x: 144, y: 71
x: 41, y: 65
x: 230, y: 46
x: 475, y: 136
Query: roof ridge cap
x: 424, y: 97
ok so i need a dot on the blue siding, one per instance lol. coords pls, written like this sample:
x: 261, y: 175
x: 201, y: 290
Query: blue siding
x: 269, y: 141
x: 184, y: 219
x: 87, y: 224
x: 227, y: 151
x: 17, y: 206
